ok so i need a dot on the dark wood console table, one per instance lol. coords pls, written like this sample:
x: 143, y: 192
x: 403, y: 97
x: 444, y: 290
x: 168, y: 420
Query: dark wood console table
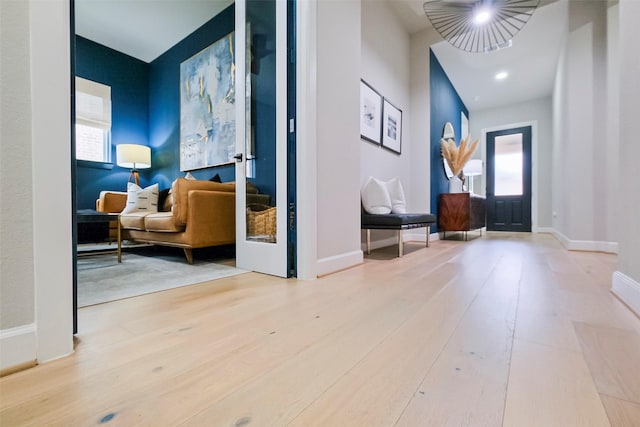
x: 461, y: 212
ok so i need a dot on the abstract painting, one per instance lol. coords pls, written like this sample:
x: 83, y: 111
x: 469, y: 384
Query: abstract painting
x: 207, y: 107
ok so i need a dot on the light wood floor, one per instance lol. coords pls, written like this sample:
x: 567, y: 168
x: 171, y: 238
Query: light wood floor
x: 505, y: 329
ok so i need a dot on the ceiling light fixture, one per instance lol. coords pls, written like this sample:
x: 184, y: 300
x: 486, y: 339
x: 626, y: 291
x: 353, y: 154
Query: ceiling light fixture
x: 502, y: 75
x: 479, y: 25
x: 481, y: 16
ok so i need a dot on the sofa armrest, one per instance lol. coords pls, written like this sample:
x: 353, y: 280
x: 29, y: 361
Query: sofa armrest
x: 211, y: 217
x: 111, y: 201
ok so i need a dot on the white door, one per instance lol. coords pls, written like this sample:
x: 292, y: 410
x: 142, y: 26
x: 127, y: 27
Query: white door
x: 261, y: 135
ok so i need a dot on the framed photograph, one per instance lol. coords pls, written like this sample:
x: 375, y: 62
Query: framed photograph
x: 370, y: 113
x: 391, y: 127
x: 207, y: 107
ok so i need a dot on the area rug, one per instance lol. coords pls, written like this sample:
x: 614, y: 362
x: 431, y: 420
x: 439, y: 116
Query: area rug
x: 142, y: 271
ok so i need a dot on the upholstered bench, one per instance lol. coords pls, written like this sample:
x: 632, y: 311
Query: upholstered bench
x: 396, y: 221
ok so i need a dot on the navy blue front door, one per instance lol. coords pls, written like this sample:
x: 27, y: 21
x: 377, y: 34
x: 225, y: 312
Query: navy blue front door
x: 509, y: 180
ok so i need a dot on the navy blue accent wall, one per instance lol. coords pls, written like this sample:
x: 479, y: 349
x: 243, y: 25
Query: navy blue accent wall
x: 128, y: 78
x: 164, y: 102
x: 446, y: 106
x: 146, y: 106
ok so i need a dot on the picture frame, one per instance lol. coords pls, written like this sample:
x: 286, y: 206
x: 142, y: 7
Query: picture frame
x: 370, y: 113
x: 207, y: 107
x: 391, y: 127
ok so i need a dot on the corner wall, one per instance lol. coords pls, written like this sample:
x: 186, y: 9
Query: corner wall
x: 446, y: 106
x: 385, y: 65
x: 582, y: 205
x: 37, y: 268
x: 626, y: 281
x: 420, y: 75
x: 536, y: 110
x: 164, y: 102
x: 17, y: 283
x: 128, y: 78
x: 338, y: 135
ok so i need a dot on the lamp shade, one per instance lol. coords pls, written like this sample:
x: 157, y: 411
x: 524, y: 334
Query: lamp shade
x: 473, y: 167
x: 133, y: 156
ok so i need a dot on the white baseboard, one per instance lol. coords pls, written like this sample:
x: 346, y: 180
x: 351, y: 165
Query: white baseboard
x: 413, y: 236
x: 407, y: 236
x: 17, y: 346
x: 586, y: 245
x: 339, y: 262
x: 380, y: 243
x: 627, y: 289
x: 549, y: 230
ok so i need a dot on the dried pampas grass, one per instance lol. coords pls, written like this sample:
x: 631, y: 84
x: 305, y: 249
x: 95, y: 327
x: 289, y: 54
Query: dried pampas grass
x: 457, y: 156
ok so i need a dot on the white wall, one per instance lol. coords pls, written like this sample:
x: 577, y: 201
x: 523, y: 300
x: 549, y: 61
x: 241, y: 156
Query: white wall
x: 613, y: 121
x: 385, y: 61
x: 385, y: 66
x: 36, y: 251
x: 626, y: 281
x: 396, y: 64
x: 338, y: 135
x: 17, y: 286
x: 16, y: 246
x: 538, y: 111
x: 420, y: 108
x: 582, y: 159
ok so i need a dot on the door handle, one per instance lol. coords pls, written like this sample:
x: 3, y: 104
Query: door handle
x: 238, y: 158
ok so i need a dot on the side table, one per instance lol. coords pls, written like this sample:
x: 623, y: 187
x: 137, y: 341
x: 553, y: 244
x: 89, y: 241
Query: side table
x: 93, y: 226
x: 461, y: 212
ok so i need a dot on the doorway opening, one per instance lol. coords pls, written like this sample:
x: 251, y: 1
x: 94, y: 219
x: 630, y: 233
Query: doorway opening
x: 157, y: 124
x: 509, y: 180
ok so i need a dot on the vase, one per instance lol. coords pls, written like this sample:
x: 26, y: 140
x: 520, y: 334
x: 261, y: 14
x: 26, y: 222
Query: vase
x: 455, y: 185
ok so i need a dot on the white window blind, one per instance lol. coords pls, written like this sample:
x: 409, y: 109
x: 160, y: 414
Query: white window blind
x: 93, y: 104
x: 93, y: 120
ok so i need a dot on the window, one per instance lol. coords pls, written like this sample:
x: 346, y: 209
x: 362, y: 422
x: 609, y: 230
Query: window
x: 508, y: 165
x: 93, y: 121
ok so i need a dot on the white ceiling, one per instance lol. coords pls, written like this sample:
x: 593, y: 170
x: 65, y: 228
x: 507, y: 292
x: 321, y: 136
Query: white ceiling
x: 531, y: 62
x: 147, y: 28
x: 143, y: 29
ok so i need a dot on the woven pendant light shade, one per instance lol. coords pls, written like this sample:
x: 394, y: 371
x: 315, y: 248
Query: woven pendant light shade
x: 479, y: 25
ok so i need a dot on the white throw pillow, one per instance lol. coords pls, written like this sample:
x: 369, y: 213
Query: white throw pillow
x: 375, y: 197
x: 396, y: 195
x: 141, y: 199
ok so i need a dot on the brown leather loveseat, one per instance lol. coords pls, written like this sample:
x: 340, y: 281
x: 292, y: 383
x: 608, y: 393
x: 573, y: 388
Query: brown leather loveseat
x: 196, y: 214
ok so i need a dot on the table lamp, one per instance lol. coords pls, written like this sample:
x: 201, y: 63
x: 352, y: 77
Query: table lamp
x: 471, y: 169
x: 135, y: 157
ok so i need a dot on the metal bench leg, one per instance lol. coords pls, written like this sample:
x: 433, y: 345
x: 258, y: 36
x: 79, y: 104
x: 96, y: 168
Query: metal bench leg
x: 400, y: 243
x: 368, y: 241
x: 428, y: 234
x: 119, y: 251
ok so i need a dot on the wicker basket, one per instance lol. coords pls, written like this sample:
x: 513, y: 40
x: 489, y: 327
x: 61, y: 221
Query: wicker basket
x: 261, y: 220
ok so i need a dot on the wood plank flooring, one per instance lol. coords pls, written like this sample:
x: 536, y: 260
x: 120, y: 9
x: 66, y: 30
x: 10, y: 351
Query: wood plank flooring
x: 502, y: 330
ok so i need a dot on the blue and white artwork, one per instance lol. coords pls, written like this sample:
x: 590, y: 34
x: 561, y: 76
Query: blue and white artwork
x: 207, y: 107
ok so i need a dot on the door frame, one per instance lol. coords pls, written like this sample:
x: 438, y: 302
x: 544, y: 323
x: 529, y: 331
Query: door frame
x: 534, y: 164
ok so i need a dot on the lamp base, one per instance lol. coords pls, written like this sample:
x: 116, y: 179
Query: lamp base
x: 134, y: 176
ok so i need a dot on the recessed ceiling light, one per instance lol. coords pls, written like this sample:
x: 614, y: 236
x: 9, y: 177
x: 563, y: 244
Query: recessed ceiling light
x: 502, y: 75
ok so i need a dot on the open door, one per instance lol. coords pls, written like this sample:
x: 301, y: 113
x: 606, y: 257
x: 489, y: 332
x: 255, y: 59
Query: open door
x: 261, y: 136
